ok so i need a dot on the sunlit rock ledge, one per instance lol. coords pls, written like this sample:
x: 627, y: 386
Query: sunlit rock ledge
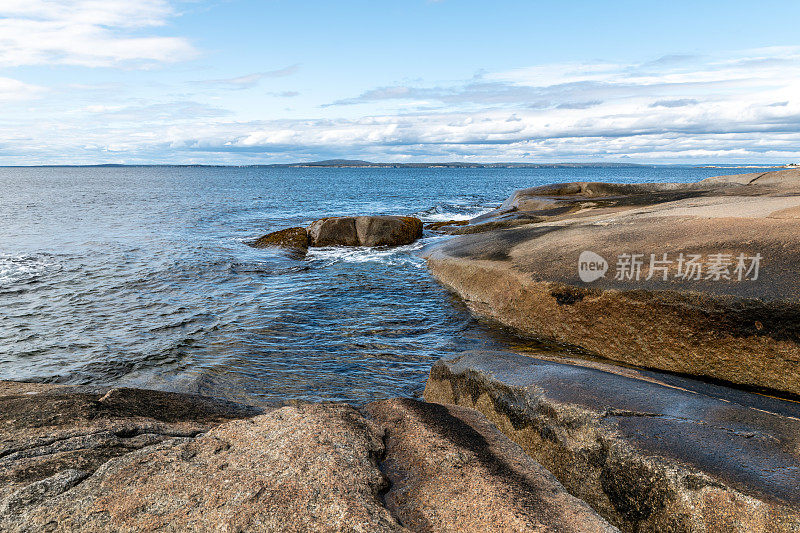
x: 700, y: 279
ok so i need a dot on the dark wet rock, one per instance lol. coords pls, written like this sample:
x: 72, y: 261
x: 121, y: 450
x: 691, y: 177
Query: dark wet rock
x: 365, y: 231
x: 509, y: 222
x: 388, y: 230
x: 445, y: 226
x: 648, y: 451
x: 451, y: 470
x: 46, y: 430
x: 291, y: 238
x: 743, y: 332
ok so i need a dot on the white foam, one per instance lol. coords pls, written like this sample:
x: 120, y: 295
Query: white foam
x: 18, y: 268
x: 395, y: 256
x: 453, y: 212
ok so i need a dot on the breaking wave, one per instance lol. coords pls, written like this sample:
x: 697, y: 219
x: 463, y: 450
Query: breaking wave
x: 445, y: 212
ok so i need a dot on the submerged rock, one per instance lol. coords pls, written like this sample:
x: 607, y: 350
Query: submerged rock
x: 725, y: 319
x: 365, y: 231
x: 292, y: 238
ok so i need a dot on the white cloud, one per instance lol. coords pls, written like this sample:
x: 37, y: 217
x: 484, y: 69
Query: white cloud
x: 251, y: 80
x: 11, y: 89
x: 94, y: 33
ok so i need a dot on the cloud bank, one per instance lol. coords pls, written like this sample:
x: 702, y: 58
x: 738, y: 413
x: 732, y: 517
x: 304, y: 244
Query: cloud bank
x: 744, y: 106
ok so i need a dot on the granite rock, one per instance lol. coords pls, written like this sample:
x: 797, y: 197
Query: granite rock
x: 136, y: 460
x: 292, y: 238
x: 648, y: 451
x: 365, y: 231
x: 452, y: 470
x: 745, y: 332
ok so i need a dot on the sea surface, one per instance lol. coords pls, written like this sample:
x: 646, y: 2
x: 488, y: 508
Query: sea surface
x: 142, y: 276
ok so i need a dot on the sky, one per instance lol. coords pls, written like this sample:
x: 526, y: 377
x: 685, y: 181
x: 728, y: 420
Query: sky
x: 274, y: 81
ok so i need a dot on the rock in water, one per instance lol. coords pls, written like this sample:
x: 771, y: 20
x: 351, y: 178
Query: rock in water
x: 292, y: 238
x: 387, y: 230
x: 365, y: 231
x: 719, y: 318
x: 334, y: 231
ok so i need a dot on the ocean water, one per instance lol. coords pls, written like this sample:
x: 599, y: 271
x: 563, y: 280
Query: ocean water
x: 141, y: 276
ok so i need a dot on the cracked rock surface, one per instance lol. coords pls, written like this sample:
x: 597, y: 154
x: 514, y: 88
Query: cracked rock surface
x: 46, y: 429
x: 649, y: 451
x: 452, y: 470
x: 135, y: 460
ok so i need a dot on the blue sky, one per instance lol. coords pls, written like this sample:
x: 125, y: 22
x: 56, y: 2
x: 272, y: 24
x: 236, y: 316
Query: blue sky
x: 244, y: 81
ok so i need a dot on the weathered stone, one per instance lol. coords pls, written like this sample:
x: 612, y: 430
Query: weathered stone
x: 298, y: 468
x: 445, y: 226
x: 744, y: 332
x: 292, y: 238
x: 365, y: 231
x: 46, y: 429
x: 334, y: 231
x: 137, y: 460
x: 388, y: 230
x: 451, y: 470
x: 648, y: 451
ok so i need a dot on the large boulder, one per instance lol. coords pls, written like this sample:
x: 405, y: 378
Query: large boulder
x: 388, y: 230
x: 334, y: 231
x: 365, y: 231
x: 735, y: 316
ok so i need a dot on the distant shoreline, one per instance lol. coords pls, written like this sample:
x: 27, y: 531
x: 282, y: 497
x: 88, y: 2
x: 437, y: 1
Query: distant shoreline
x: 345, y: 163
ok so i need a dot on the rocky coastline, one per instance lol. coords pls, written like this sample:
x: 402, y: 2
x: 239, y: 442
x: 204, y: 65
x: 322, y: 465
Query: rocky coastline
x: 681, y: 414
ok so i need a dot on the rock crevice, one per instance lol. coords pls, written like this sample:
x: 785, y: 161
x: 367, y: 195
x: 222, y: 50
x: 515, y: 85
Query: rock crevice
x: 395, y: 465
x: 646, y: 469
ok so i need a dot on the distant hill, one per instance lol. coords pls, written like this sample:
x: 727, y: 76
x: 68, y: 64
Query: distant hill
x: 357, y: 163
